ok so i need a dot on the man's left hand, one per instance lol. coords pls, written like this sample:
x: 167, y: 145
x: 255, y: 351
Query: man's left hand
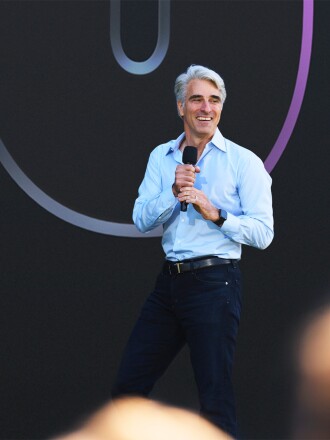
x: 200, y: 202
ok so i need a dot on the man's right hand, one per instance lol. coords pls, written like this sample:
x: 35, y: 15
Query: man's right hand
x: 185, y: 175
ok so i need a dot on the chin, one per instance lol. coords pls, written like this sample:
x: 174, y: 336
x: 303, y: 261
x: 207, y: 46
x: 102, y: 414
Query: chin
x: 206, y: 132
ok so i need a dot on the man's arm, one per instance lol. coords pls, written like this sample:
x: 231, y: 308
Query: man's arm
x: 254, y: 227
x: 157, y: 196
x: 155, y: 202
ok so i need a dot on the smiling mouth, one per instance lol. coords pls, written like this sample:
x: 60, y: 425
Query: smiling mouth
x: 201, y: 118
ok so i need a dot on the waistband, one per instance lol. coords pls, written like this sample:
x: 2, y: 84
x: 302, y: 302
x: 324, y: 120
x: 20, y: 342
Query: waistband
x: 174, y: 268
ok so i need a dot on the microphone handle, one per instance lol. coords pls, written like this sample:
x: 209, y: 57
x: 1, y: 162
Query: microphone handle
x: 184, y: 205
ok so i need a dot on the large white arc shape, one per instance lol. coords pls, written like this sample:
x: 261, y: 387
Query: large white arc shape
x: 129, y: 230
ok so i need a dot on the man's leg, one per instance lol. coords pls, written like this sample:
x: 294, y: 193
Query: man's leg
x: 210, y: 312
x: 156, y: 339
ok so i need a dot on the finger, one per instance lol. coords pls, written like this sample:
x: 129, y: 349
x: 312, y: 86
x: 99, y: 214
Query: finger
x: 185, y: 180
x: 192, y: 198
x: 189, y: 167
x: 189, y: 176
x: 183, y: 198
x: 185, y: 190
x: 186, y: 193
x: 185, y: 169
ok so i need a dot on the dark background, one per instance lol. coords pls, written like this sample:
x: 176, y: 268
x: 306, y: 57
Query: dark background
x: 82, y: 129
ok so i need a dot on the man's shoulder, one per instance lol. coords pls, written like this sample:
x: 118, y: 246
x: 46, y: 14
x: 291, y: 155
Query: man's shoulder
x: 245, y: 161
x: 163, y: 149
x: 240, y: 152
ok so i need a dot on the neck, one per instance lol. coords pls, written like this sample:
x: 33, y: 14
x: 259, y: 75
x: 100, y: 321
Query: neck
x: 197, y: 142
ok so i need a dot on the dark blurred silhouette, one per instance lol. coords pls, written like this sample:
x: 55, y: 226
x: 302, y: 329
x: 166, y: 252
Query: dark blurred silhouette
x: 312, y: 418
x: 142, y: 419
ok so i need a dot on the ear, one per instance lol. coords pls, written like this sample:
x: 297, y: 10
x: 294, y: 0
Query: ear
x: 180, y: 108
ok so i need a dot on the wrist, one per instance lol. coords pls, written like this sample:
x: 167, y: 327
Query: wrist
x: 214, y: 214
x: 221, y: 218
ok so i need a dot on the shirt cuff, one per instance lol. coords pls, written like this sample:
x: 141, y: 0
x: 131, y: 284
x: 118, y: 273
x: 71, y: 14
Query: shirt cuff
x: 231, y: 225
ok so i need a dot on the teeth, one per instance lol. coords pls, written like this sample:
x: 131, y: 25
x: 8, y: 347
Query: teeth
x: 203, y: 119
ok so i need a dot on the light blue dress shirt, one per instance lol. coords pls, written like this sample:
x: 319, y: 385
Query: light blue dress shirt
x: 232, y: 177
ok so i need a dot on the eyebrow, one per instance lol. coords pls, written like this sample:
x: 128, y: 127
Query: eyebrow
x: 200, y: 96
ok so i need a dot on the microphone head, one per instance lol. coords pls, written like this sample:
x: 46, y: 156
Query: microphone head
x: 189, y: 155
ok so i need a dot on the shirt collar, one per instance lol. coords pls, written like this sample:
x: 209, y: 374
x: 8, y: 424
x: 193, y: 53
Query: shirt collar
x: 218, y: 141
x: 175, y: 144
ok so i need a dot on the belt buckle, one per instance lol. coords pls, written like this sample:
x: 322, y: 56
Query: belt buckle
x: 177, y: 266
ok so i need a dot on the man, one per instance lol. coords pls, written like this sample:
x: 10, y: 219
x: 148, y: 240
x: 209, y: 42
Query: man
x: 196, y: 299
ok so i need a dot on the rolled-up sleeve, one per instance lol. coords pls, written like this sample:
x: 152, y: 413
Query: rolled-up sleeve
x: 155, y: 203
x: 255, y: 226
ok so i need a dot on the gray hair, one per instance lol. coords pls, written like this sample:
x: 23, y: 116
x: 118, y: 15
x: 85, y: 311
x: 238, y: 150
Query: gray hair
x: 198, y: 72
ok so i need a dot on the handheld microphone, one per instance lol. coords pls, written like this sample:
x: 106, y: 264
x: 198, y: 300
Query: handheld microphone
x: 189, y: 157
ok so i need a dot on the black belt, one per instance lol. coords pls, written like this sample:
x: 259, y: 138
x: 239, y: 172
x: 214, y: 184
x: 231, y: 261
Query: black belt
x: 191, y: 265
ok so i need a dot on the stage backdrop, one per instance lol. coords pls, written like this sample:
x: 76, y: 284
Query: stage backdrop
x: 86, y: 93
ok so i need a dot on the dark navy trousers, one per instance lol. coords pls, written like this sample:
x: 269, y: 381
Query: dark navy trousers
x: 201, y: 309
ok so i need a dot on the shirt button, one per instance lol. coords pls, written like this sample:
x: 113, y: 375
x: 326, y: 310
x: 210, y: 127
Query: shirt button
x: 182, y: 220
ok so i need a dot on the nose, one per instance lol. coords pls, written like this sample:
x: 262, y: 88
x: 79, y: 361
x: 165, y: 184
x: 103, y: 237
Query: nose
x: 206, y: 106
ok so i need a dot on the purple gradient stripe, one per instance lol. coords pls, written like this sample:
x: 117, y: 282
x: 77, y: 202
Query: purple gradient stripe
x: 300, y: 87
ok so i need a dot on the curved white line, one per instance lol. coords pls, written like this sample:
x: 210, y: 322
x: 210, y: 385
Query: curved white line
x: 163, y: 38
x: 64, y: 213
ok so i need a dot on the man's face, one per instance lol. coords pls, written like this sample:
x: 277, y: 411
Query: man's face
x: 202, y: 109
